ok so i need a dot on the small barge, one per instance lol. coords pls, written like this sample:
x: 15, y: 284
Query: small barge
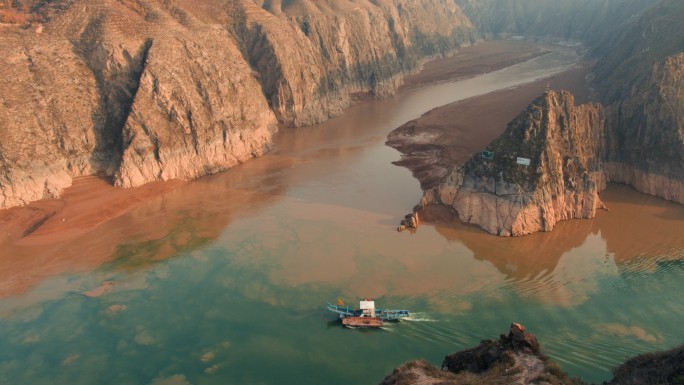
x: 367, y: 316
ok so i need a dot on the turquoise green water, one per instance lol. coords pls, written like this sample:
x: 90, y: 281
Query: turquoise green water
x: 223, y: 280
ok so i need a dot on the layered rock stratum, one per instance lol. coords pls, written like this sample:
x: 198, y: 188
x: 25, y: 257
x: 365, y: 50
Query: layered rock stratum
x: 138, y: 91
x: 504, y: 195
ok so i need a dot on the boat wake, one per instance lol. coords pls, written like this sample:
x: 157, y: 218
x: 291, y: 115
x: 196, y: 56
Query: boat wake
x: 420, y: 317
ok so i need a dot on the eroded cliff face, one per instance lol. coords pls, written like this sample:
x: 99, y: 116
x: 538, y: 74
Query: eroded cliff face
x: 646, y: 145
x: 563, y: 143
x: 638, y: 140
x: 311, y: 55
x: 135, y: 91
x: 639, y: 76
x: 139, y: 91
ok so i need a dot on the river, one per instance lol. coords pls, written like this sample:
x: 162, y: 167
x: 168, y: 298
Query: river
x: 223, y: 280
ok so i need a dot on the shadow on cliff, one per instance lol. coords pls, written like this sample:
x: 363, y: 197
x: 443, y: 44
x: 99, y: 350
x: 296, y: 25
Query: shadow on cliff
x: 117, y: 75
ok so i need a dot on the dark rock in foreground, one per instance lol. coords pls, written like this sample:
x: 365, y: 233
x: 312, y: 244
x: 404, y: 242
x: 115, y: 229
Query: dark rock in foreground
x: 652, y: 368
x: 516, y: 358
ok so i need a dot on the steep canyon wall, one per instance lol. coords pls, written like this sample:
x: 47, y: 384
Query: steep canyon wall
x: 646, y: 148
x: 639, y: 75
x: 139, y: 91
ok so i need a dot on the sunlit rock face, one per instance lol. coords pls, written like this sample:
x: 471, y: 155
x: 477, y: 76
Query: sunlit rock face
x: 136, y: 91
x: 311, y: 55
x: 546, y: 167
x: 139, y: 91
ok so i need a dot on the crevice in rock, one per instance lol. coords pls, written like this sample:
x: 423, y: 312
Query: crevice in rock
x: 193, y: 133
x: 117, y: 77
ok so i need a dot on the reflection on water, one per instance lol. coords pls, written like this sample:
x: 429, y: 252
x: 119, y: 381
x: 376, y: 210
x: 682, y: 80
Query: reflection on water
x: 157, y: 228
x: 222, y: 281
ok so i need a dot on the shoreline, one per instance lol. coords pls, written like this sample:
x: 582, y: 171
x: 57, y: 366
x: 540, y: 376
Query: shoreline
x: 42, y: 239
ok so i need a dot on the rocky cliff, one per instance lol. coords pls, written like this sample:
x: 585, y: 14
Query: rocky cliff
x: 501, y: 193
x: 312, y: 55
x: 138, y: 90
x: 639, y: 75
x: 626, y: 56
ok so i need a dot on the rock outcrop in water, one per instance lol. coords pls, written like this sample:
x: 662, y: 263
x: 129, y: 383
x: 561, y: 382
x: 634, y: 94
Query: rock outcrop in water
x: 545, y: 168
x: 139, y: 91
x: 637, y: 140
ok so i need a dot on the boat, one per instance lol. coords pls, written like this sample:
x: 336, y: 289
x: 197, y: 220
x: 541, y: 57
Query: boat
x: 366, y: 316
